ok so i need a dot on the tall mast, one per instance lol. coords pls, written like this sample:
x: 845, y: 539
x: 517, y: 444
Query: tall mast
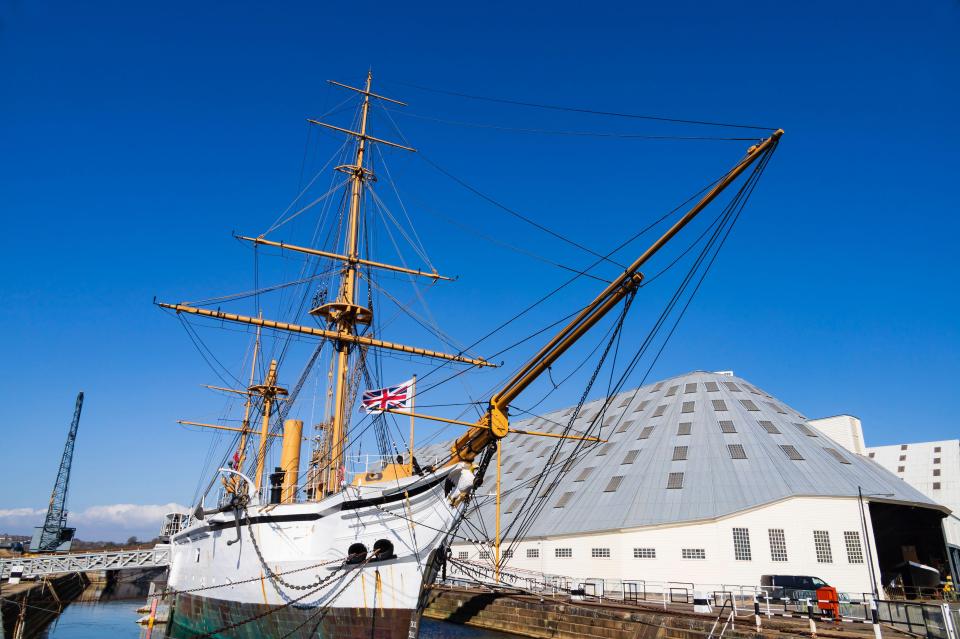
x: 348, y: 315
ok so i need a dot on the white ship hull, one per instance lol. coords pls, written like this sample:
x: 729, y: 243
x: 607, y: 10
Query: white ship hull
x: 267, y: 585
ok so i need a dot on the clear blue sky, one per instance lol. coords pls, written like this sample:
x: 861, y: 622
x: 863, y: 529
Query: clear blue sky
x: 136, y: 137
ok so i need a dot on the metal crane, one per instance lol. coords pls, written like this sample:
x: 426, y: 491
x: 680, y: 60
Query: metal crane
x: 54, y: 536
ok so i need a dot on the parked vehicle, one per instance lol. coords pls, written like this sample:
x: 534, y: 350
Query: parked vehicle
x: 791, y: 586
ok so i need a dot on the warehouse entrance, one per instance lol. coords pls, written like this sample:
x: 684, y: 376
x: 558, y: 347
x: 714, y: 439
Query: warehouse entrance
x: 909, y: 543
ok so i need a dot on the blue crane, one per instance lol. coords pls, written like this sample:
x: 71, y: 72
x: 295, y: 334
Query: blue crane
x: 54, y: 536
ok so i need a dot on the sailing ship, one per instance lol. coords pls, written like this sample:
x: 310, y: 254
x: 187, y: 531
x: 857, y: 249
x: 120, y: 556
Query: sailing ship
x: 324, y: 553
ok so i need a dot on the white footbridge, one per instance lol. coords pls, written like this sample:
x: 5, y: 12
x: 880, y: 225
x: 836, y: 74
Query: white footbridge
x: 156, y: 557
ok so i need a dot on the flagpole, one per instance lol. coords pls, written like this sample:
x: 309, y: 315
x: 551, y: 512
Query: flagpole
x: 413, y: 409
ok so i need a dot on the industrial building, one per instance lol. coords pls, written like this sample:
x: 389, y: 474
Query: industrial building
x: 933, y: 468
x: 702, y: 478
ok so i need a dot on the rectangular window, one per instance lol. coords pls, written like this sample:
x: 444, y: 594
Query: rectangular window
x: 563, y: 553
x: 584, y: 474
x: 903, y: 458
x: 719, y: 405
x: 733, y: 387
x: 936, y: 460
x: 642, y: 405
x: 624, y: 426
x: 613, y: 484
x: 791, y: 452
x: 675, y: 480
x: 683, y: 428
x: 564, y: 499
x: 512, y: 508
x: 657, y: 387
x: 687, y: 407
x: 803, y: 428
x: 736, y: 451
x: 749, y: 405
x: 769, y: 427
x: 777, y: 407
x: 778, y: 544
x: 533, y: 553
x: 836, y: 455
x: 630, y: 457
x: 463, y: 555
x: 711, y: 387
x: 600, y: 553
x: 508, y: 554
x: 936, y: 472
x: 741, y: 544
x: 679, y: 453
x: 626, y: 401
x: 690, y: 388
x: 900, y: 469
x: 936, y: 449
x: 854, y: 551
x: 484, y: 554
x: 821, y: 543
x: 726, y: 426
x: 671, y: 391
x: 661, y: 409
x: 644, y: 553
x: 872, y: 455
x: 936, y: 485
x: 693, y: 553
x: 645, y: 433
x: 604, y: 450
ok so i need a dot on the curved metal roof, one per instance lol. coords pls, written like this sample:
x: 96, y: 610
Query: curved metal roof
x: 736, y: 447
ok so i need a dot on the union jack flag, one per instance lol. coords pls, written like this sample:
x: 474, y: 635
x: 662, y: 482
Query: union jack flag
x: 393, y: 397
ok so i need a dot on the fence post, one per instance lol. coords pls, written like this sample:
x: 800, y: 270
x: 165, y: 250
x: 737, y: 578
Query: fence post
x: 875, y: 618
x: 756, y: 612
x: 767, y: 599
x: 813, y: 624
x: 948, y: 621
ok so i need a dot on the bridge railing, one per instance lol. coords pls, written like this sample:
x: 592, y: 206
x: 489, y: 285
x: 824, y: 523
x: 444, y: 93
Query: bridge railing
x: 156, y: 557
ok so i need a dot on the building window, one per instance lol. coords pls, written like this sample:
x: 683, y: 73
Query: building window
x: 644, y: 553
x: 711, y: 387
x: 736, y: 451
x: 687, y: 407
x: 778, y: 544
x: 733, y: 387
x: 626, y: 401
x: 903, y: 446
x: 679, y: 453
x: 675, y: 480
x: 741, y: 544
x: 769, y: 427
x: 690, y: 388
x: 900, y: 469
x: 604, y: 450
x: 671, y: 391
x: 613, y: 484
x: 803, y: 428
x: 584, y: 474
x: 600, y: 553
x: 533, y: 553
x: 936, y: 460
x: 512, y: 508
x: 564, y: 500
x: 936, y: 485
x: 484, y: 554
x: 749, y: 405
x: 903, y: 458
x: 563, y: 553
x: 719, y: 405
x: 872, y: 455
x: 854, y: 551
x: 791, y: 452
x: 645, y: 433
x: 821, y: 542
x: 630, y: 457
x: 936, y: 449
x: 726, y: 426
x: 683, y: 428
x: 693, y: 553
x: 508, y: 554
x: 836, y: 455
x: 463, y: 555
x: 936, y: 472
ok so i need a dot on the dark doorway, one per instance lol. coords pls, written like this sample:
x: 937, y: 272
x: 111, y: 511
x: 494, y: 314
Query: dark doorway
x: 908, y: 538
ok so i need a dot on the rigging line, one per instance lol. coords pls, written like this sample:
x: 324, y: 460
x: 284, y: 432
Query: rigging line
x: 387, y: 215
x: 267, y: 289
x: 596, y: 134
x: 555, y: 107
x: 403, y: 207
x: 305, y: 208
x: 206, y: 353
x: 517, y: 214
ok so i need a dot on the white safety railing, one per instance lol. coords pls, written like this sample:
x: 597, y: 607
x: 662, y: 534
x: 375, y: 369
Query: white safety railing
x: 156, y: 557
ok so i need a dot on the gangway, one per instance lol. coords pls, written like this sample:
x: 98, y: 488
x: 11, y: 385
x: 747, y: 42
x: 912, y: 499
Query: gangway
x: 156, y: 557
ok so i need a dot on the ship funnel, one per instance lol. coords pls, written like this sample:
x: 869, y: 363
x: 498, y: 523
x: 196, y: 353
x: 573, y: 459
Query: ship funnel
x: 290, y: 459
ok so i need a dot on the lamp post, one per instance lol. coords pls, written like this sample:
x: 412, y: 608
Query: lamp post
x: 866, y: 537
